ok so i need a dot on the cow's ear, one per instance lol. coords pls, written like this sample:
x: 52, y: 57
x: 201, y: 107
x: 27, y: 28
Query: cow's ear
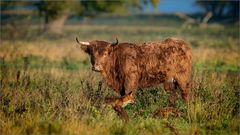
x: 88, y: 50
x: 84, y: 48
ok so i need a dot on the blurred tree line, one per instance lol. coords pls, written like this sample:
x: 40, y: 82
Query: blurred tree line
x: 220, y: 8
x: 55, y: 13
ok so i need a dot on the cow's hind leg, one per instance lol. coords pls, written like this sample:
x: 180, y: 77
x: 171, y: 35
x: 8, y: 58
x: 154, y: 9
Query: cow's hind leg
x: 185, y: 87
x: 171, y: 87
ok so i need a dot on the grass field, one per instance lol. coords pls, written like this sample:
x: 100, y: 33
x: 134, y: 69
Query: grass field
x: 47, y: 86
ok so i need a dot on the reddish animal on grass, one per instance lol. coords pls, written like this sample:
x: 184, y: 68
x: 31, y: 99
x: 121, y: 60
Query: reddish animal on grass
x: 125, y: 67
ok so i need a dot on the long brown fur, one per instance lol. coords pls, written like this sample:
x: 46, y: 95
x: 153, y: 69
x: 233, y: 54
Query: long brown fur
x: 126, y: 67
x: 130, y: 66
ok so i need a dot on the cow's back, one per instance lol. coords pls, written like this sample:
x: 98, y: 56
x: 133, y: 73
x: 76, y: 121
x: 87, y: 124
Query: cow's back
x: 149, y: 64
x: 161, y: 60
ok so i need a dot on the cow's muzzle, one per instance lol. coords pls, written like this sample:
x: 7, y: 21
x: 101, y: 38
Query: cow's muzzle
x: 96, y: 69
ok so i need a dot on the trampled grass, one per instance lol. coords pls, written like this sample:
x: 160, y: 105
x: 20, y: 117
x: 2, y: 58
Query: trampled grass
x: 47, y: 86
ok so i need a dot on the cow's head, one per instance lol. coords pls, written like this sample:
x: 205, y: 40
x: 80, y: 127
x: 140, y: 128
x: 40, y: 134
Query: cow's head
x: 99, y: 52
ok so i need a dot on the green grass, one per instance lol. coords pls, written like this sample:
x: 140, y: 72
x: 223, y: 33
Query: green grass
x: 47, y: 86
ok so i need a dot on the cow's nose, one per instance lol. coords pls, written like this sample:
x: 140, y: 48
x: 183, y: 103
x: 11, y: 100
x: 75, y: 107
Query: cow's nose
x: 95, y: 69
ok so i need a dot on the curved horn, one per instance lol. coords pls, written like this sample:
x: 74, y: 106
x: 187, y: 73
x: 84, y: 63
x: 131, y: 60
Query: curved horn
x: 82, y: 43
x: 115, y: 43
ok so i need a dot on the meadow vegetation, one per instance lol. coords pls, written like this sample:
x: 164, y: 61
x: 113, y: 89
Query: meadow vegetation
x: 47, y: 86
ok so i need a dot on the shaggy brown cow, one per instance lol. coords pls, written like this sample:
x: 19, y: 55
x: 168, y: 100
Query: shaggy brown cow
x: 126, y: 67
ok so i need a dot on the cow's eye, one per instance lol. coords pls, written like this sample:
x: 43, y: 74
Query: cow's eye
x: 105, y: 53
